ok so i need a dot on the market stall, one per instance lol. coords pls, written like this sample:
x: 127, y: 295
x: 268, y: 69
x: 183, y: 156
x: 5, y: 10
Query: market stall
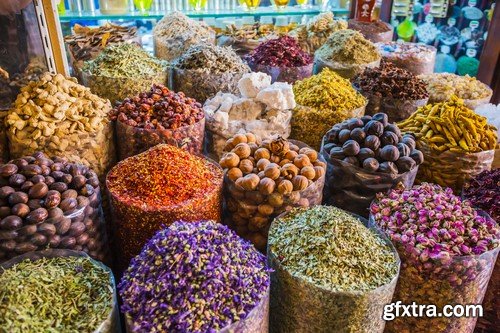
x: 247, y: 167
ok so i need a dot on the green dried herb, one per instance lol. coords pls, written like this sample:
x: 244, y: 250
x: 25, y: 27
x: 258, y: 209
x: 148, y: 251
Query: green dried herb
x: 63, y: 294
x: 331, y: 248
x: 124, y: 61
x: 331, y: 273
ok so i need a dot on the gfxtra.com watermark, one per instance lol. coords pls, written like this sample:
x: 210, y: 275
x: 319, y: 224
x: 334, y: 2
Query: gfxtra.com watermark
x: 399, y: 310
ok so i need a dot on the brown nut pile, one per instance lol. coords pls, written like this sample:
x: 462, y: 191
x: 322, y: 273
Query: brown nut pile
x: 265, y: 179
x: 49, y: 203
x: 58, y: 116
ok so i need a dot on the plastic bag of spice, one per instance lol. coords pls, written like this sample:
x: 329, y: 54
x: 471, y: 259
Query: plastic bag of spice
x: 396, y: 109
x: 353, y: 188
x: 285, y: 74
x: 416, y: 58
x: 118, y: 88
x: 250, y: 212
x: 452, y: 169
x: 112, y: 322
x: 135, y: 140
x: 375, y: 31
x: 242, y: 46
x: 201, y: 85
x: 457, y: 280
x: 61, y: 210
x: 347, y: 71
x: 190, y: 189
x: 301, y: 305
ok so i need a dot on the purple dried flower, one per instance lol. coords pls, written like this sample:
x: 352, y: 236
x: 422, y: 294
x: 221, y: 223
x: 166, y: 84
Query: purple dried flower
x: 193, y: 277
x: 280, y: 52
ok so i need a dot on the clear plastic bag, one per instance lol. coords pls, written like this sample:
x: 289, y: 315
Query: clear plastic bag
x: 470, y: 103
x: 299, y: 306
x: 112, y: 322
x: 451, y: 169
x: 347, y: 71
x: 134, y: 140
x: 93, y: 149
x: 309, y: 124
x: 80, y: 229
x: 118, y: 88
x: 201, y: 85
x: 460, y: 280
x: 353, y: 189
x: 370, y: 33
x: 491, y: 303
x: 242, y: 214
x: 417, y: 62
x: 285, y: 74
x: 396, y: 109
x: 257, y: 320
x: 496, y: 159
x: 142, y: 221
x: 172, y: 48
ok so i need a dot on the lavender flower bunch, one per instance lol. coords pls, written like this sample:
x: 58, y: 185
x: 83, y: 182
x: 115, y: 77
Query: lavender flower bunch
x: 193, y: 277
x: 431, y: 227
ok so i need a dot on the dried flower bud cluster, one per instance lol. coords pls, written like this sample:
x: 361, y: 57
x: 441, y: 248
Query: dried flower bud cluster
x: 160, y: 108
x: 432, y: 225
x: 280, y: 52
x: 483, y: 191
x: 265, y: 179
x: 194, y: 277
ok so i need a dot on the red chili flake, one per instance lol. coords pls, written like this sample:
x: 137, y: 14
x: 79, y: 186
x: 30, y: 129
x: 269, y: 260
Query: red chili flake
x: 280, y: 52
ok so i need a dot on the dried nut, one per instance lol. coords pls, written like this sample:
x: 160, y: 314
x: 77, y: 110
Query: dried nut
x: 5, y: 211
x: 63, y: 226
x: 309, y: 172
x: 31, y: 170
x: 38, y: 191
x: 69, y: 194
x: 56, y: 213
x: 242, y: 150
x: 275, y: 200
x: 289, y: 171
x: 261, y: 174
x: 229, y: 160
x: 250, y: 182
x: 39, y: 240
x: 251, y: 138
x: 76, y: 229
x: 303, y: 202
x: 229, y: 145
x: 284, y: 161
x: 52, y: 199
x: 68, y: 242
x: 275, y: 159
x: 20, y: 210
x: 310, y: 153
x: 291, y: 155
x: 258, y: 222
x: 258, y: 240
x: 255, y: 197
x: 27, y: 230
x: 294, y: 147
x: 37, y: 216
x: 301, y: 161
x: 8, y: 170
x: 5, y: 191
x: 25, y: 247
x: 18, y: 197
x: 246, y: 166
x: 266, y: 186
x: 59, y: 187
x: 261, y: 164
x: 47, y: 229
x: 37, y: 179
x: 11, y: 222
x: 239, y: 138
x: 54, y: 241
x: 17, y: 180
x: 294, y: 197
x: 26, y: 186
x: 262, y: 153
x: 272, y: 171
x: 265, y: 209
x: 320, y: 172
x: 234, y: 173
x: 8, y: 235
x: 300, y: 183
x: 34, y: 204
x: 68, y: 204
x: 253, y: 148
x: 320, y: 164
x: 285, y: 187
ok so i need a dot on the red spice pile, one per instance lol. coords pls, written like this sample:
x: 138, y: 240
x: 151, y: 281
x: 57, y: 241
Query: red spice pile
x: 280, y: 52
x: 163, y: 176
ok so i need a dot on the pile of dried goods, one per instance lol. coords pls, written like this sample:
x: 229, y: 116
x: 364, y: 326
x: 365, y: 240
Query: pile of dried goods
x: 206, y: 279
x: 416, y: 58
